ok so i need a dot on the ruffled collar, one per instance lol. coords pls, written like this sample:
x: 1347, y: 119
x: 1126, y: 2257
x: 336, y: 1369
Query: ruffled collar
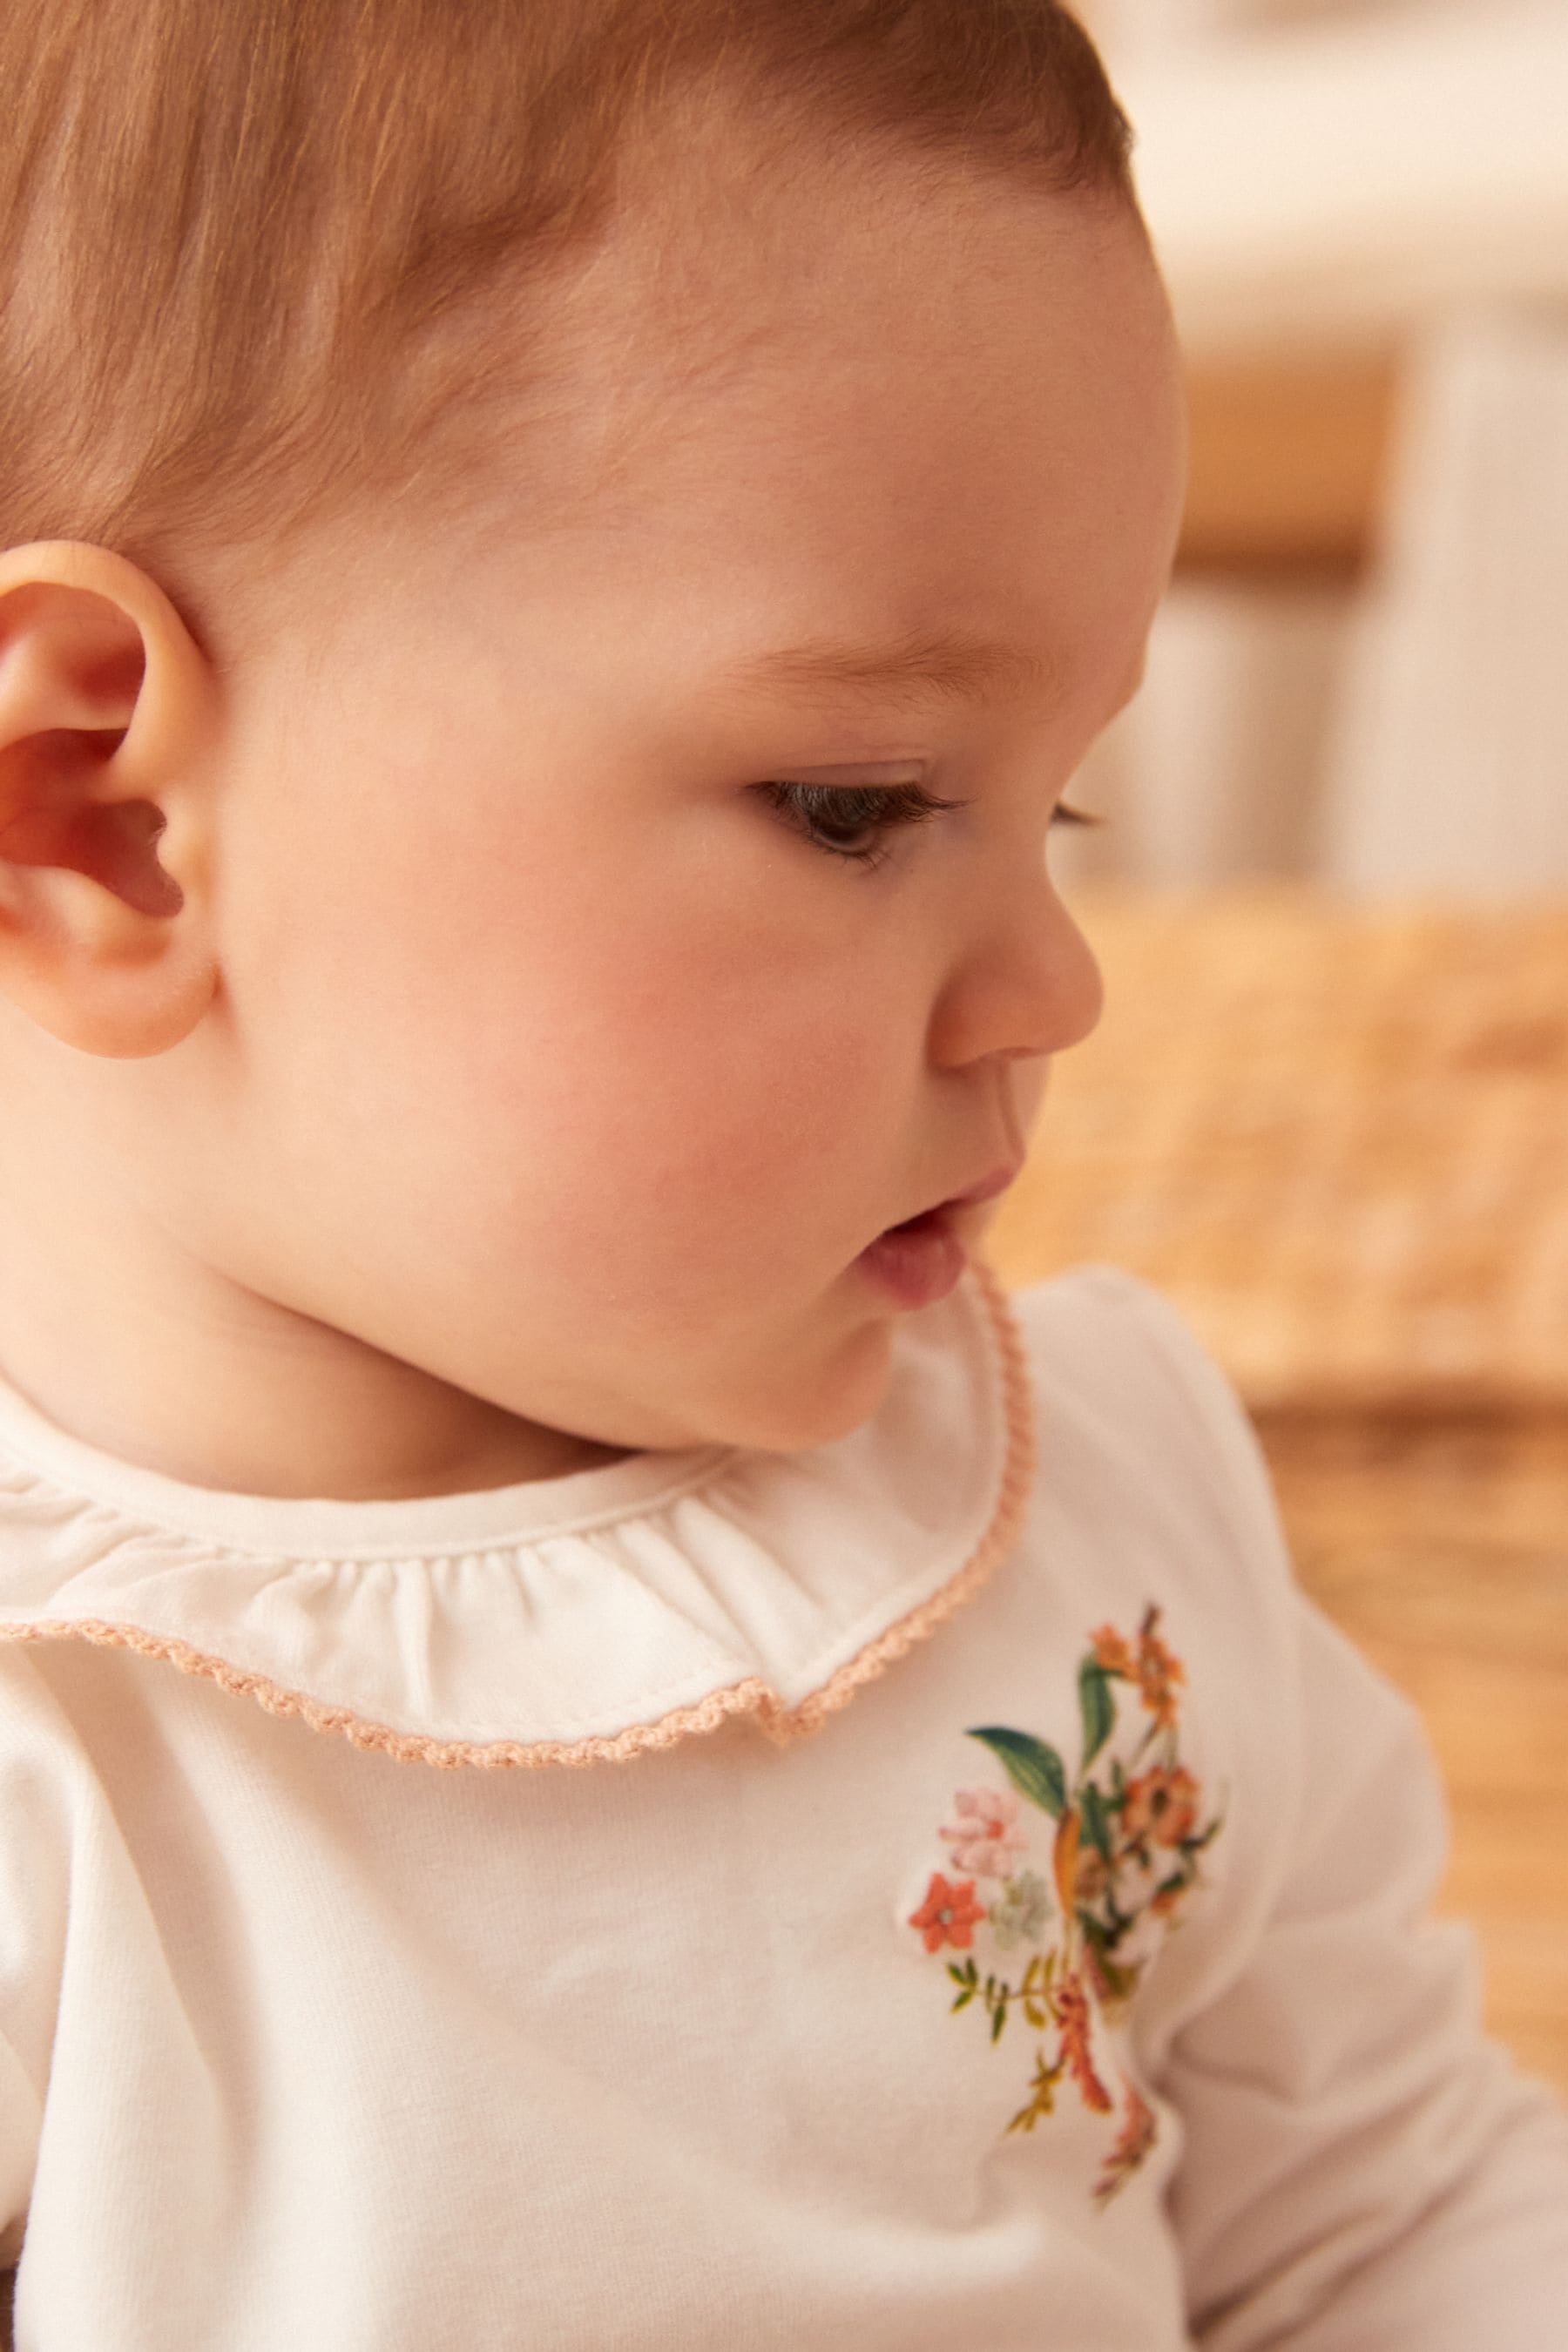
x: 566, y: 1619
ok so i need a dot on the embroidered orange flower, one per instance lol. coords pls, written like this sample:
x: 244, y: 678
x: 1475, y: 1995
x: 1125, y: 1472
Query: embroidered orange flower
x: 1136, y: 2137
x: 1072, y: 2010
x: 949, y: 1913
x: 1113, y: 1651
x: 1161, y: 1803
x: 1159, y: 1673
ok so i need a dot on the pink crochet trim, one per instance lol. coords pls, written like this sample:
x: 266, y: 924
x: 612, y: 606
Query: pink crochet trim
x: 780, y: 1724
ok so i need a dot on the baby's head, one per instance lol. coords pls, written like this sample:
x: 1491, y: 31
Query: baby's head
x: 464, y: 457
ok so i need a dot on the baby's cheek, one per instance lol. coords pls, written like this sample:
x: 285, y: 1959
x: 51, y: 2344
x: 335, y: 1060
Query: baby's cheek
x: 722, y: 1053
x: 712, y: 1133
x: 647, y: 1067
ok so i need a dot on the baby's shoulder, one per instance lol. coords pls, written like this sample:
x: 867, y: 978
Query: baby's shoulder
x: 1150, y: 1480
x: 1098, y: 1331
x: 1114, y: 1365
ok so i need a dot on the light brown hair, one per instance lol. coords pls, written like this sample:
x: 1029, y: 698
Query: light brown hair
x: 246, y: 245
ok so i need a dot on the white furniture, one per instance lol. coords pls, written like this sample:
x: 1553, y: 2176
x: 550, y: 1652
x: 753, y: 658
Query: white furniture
x: 1362, y: 209
x: 1452, y: 766
x: 1347, y: 181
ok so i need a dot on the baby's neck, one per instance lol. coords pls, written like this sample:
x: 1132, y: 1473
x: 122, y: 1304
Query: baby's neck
x: 126, y: 1340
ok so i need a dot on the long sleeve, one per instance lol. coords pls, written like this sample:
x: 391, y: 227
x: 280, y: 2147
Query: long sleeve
x: 1365, y: 2171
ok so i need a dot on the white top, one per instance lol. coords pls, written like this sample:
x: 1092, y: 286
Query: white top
x: 884, y: 1897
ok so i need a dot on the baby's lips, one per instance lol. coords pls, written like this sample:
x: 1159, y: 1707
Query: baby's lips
x: 987, y: 1189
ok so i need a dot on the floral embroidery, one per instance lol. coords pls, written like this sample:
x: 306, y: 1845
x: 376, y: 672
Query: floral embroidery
x: 1020, y: 1915
x: 948, y: 1915
x: 1123, y: 1855
x: 984, y: 1836
x: 1135, y: 2139
x: 1162, y: 1805
x: 1072, y: 2015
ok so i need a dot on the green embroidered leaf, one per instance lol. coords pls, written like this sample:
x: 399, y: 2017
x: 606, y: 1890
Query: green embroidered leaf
x: 1035, y: 2015
x: 1096, y: 1828
x: 999, y: 2019
x: 1043, y: 2101
x: 1097, y: 1706
x: 1034, y: 1768
x: 963, y: 1998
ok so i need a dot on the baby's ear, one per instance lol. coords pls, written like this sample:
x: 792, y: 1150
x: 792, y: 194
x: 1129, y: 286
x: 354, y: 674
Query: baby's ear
x: 107, y: 732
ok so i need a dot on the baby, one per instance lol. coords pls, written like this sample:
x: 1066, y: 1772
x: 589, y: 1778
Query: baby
x: 603, y: 1745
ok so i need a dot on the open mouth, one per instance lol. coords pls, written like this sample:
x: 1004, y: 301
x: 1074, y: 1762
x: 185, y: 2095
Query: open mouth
x: 929, y: 1221
x: 918, y: 1261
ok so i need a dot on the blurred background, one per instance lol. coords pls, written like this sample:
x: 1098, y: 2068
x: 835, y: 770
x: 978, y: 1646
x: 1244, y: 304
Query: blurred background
x: 1327, y: 1109
x: 1361, y: 208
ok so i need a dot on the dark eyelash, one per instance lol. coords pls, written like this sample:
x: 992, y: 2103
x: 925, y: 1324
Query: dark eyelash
x: 887, y: 807
x: 856, y: 808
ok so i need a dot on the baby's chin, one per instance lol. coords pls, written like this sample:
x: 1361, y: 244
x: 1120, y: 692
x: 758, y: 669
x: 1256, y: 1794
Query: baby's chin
x: 847, y: 1388
x: 770, y: 1407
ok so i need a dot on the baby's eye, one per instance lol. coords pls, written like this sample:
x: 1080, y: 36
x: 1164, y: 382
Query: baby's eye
x: 826, y: 813
x: 833, y: 817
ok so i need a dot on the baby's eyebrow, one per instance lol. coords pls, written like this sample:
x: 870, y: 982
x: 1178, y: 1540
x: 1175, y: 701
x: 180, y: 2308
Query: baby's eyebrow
x: 948, y: 665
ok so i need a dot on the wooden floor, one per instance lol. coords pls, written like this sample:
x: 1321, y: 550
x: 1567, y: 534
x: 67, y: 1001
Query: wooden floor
x: 1336, y: 1136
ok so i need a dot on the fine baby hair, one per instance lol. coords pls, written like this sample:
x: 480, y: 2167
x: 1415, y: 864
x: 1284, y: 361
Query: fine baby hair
x: 604, y: 1744
x: 265, y: 263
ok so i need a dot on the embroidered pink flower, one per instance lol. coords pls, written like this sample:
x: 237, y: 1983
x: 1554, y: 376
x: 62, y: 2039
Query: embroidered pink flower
x: 1072, y: 2010
x: 985, y: 1838
x: 949, y: 1915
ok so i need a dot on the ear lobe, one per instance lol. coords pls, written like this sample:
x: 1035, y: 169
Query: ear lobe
x: 106, y: 712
